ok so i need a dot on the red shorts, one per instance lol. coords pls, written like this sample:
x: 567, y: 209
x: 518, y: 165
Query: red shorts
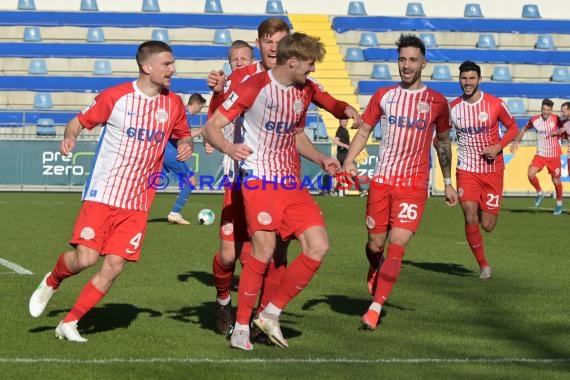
x: 233, y: 226
x: 394, y: 206
x: 274, y: 207
x: 110, y: 230
x: 485, y: 188
x: 552, y: 164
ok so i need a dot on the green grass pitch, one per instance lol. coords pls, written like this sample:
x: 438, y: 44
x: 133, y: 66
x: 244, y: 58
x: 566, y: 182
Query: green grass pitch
x: 157, y: 322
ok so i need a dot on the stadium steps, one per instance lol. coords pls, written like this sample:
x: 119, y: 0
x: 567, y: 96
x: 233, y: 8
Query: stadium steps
x: 331, y: 73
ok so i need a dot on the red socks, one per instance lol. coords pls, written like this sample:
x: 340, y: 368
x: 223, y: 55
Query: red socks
x: 271, y: 282
x: 389, y: 273
x: 59, y: 273
x: 534, y: 182
x: 88, y: 298
x: 250, y: 281
x: 223, y: 276
x: 296, y: 278
x: 475, y: 241
x: 558, y: 191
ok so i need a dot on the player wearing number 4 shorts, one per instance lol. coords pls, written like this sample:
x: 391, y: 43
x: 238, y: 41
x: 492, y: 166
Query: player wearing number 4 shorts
x: 480, y: 166
x: 138, y: 118
x: 412, y: 113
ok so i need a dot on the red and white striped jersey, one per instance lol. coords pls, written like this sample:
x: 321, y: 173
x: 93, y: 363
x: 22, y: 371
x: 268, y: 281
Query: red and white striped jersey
x: 477, y: 127
x: 272, y: 114
x: 409, y: 118
x: 547, y: 145
x: 136, y: 129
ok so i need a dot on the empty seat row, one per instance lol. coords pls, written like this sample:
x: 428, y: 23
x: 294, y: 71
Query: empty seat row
x: 485, y: 41
x: 38, y: 66
x: 210, y: 6
x: 415, y: 9
x: 97, y: 35
x: 381, y: 71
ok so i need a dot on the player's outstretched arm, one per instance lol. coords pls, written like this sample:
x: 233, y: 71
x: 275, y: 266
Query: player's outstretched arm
x: 213, y: 135
x: 443, y: 149
x: 72, y: 131
x: 306, y: 149
x: 517, y: 139
x: 185, y: 147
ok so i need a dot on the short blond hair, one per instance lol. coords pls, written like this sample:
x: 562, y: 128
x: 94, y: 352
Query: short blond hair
x: 301, y: 46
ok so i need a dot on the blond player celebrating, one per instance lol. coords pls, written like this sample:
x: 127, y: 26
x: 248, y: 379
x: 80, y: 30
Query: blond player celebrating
x: 274, y: 104
x: 398, y: 193
x: 480, y: 166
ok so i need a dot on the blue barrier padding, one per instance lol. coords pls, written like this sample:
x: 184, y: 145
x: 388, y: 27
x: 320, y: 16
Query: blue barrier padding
x: 387, y: 24
x: 503, y: 90
x: 90, y: 84
x: 109, y: 51
x: 135, y: 20
x: 531, y: 57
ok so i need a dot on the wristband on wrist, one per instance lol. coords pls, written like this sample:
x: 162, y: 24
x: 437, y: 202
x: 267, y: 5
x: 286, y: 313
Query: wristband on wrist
x: 447, y: 181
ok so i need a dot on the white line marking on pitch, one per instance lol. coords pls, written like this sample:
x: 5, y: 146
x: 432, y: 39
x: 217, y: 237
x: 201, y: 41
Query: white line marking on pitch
x: 293, y: 361
x: 15, y: 267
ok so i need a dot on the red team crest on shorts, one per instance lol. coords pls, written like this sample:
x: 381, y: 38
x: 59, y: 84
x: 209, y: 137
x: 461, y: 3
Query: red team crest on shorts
x: 264, y: 218
x: 87, y: 233
x: 370, y: 222
x: 228, y: 229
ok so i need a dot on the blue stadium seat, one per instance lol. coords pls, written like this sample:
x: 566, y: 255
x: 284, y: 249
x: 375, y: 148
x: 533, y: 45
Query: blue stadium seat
x: 377, y: 131
x: 486, y: 41
x: 213, y: 6
x: 313, y: 107
x: 415, y: 10
x: 89, y: 5
x: 222, y: 37
x: 311, y: 130
x: 502, y: 74
x: 441, y: 72
x: 544, y: 42
x: 356, y: 8
x: 150, y: 6
x: 37, y: 66
x: 428, y: 40
x: 160, y: 35
x: 530, y: 11
x: 45, y: 127
x: 227, y: 68
x: 516, y: 106
x: 95, y: 34
x: 274, y: 7
x: 26, y: 5
x: 381, y: 71
x: 368, y: 39
x: 43, y: 100
x: 32, y: 34
x: 354, y: 54
x: 102, y: 67
x: 472, y: 10
x: 321, y: 131
x: 560, y: 74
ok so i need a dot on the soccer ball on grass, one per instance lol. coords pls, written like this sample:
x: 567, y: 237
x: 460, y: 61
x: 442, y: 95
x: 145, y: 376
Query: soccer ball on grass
x: 206, y: 217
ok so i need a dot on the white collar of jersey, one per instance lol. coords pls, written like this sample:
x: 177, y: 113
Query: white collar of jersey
x: 142, y: 94
x: 423, y: 88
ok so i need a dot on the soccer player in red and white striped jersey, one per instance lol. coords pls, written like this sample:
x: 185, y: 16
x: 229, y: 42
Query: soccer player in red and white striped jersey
x: 547, y: 127
x: 274, y: 104
x: 410, y: 113
x: 565, y: 111
x: 137, y: 119
x: 480, y: 167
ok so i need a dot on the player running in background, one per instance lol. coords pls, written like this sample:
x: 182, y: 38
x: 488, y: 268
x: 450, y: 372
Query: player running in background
x: 274, y: 105
x: 480, y: 166
x: 180, y: 168
x: 138, y: 118
x: 547, y: 126
x: 399, y: 189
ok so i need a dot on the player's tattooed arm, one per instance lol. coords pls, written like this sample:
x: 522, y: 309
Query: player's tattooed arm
x: 443, y: 149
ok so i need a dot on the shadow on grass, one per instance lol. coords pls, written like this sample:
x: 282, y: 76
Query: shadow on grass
x: 529, y: 210
x: 110, y: 317
x: 447, y: 268
x: 158, y: 220
x: 204, y: 316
